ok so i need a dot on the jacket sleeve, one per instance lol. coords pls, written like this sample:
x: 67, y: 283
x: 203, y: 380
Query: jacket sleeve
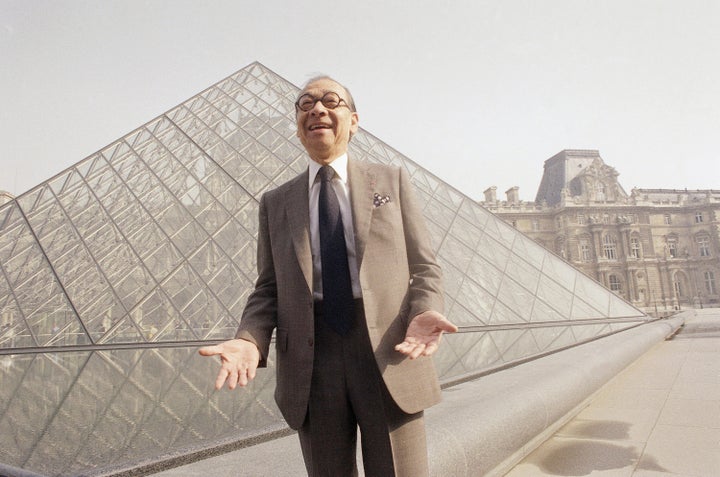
x: 426, y: 289
x: 259, y: 317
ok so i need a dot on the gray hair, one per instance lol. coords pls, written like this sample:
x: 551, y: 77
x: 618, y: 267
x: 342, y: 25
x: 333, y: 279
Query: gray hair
x: 350, y: 101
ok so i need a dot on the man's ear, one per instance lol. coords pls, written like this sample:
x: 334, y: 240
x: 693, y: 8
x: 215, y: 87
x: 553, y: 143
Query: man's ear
x: 354, y: 123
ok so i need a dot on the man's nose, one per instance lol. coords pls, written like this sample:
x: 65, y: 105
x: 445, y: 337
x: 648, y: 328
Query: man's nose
x: 318, y: 109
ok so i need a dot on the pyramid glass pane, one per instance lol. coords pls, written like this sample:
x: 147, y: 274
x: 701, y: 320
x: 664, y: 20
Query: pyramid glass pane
x: 115, y: 270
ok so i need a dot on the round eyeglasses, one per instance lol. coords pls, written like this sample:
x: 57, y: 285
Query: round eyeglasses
x: 330, y: 100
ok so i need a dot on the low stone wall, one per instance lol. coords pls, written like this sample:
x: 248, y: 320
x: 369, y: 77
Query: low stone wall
x: 484, y: 427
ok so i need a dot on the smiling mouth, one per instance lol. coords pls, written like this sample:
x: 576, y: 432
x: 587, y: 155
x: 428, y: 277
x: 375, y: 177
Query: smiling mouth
x: 315, y: 127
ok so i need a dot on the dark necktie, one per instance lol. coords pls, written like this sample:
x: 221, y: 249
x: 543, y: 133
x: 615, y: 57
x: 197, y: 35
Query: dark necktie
x: 338, y: 307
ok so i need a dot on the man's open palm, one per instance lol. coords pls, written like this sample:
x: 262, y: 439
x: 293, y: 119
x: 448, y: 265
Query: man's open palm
x: 423, y: 334
x: 239, y: 361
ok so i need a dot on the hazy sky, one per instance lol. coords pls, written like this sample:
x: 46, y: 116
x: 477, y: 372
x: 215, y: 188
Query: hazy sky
x: 479, y: 92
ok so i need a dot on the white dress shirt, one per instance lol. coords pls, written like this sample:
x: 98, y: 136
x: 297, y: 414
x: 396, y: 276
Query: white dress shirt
x: 341, y: 186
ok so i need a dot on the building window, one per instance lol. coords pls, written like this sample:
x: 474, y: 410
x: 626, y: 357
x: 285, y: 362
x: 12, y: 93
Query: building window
x: 678, y: 288
x: 610, y: 247
x: 667, y: 219
x: 680, y: 284
x: 615, y: 284
x: 698, y: 217
x: 581, y: 219
x: 585, y: 254
x: 672, y: 246
x: 703, y: 242
x: 710, y: 283
x: 635, y: 247
x: 535, y: 225
x: 600, y: 192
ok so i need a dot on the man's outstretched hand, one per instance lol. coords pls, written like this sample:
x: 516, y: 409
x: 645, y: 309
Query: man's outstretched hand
x: 239, y: 361
x: 423, y: 335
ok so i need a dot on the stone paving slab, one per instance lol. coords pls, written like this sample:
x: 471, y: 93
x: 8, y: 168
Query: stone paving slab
x: 658, y: 418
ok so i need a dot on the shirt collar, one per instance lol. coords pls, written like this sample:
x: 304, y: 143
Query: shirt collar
x: 339, y: 164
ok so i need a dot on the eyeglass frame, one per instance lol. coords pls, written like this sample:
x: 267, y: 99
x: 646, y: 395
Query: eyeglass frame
x: 341, y: 102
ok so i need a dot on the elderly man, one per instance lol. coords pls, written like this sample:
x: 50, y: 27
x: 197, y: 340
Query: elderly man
x: 347, y: 278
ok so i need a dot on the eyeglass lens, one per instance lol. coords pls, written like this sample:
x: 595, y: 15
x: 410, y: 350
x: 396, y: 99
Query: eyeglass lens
x: 330, y: 100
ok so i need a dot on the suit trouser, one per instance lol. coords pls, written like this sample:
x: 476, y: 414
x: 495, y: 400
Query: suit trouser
x: 348, y: 392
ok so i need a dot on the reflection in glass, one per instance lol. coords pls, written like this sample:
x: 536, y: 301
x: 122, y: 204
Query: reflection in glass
x: 72, y: 412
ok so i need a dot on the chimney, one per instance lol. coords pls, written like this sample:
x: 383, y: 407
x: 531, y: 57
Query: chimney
x: 490, y: 195
x: 513, y: 195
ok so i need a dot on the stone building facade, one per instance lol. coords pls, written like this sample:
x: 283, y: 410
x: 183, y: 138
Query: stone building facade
x: 657, y: 248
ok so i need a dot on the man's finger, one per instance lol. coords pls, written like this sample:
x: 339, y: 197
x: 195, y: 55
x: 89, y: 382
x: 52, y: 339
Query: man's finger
x: 447, y: 326
x: 221, y: 378
x: 419, y: 348
x: 430, y: 349
x: 404, y: 347
x: 251, y: 372
x: 210, y: 350
x: 243, y: 377
x: 234, y: 378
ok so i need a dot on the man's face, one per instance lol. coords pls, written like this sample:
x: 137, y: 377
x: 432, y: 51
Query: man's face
x: 324, y: 132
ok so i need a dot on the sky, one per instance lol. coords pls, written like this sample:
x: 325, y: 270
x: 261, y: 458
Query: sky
x: 479, y: 92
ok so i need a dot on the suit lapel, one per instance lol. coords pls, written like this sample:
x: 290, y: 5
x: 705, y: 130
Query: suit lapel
x: 362, y: 183
x: 298, y: 217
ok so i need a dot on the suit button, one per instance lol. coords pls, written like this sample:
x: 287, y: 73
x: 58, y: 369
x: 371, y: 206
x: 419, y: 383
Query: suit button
x: 311, y: 342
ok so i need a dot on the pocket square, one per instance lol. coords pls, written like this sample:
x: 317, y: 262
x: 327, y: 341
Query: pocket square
x: 379, y: 200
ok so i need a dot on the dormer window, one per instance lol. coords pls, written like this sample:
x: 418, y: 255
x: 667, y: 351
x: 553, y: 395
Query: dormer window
x: 600, y: 192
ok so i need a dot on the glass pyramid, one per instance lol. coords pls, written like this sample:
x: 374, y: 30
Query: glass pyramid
x: 113, y: 271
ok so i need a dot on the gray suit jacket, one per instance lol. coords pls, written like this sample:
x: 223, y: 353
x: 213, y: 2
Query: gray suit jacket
x: 398, y: 275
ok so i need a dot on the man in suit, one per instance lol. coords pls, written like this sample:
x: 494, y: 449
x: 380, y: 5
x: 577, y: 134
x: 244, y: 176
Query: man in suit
x: 363, y: 359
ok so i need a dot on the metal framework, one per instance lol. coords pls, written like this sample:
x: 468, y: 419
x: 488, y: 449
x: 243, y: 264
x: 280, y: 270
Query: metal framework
x: 112, y: 271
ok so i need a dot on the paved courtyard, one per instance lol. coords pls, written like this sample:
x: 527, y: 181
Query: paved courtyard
x: 660, y: 417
